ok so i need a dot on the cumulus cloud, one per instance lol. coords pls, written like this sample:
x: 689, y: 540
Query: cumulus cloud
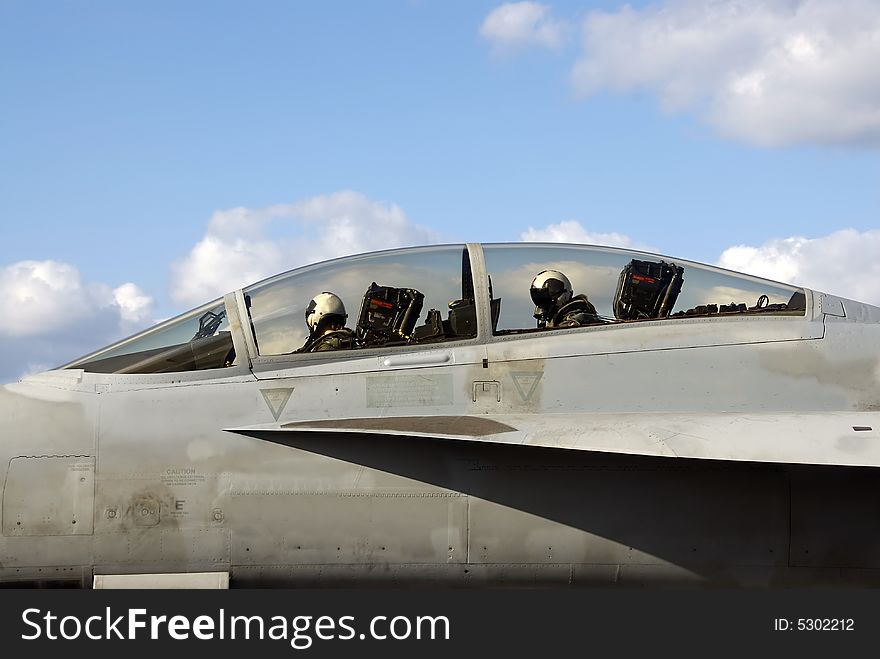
x: 842, y: 263
x: 520, y: 24
x: 766, y: 72
x: 135, y: 306
x: 244, y: 245
x: 49, y: 315
x: 571, y: 231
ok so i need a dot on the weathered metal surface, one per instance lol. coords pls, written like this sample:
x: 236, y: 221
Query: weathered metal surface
x: 49, y: 495
x: 697, y: 451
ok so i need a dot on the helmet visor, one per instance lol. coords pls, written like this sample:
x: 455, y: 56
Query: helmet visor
x: 310, y: 309
x: 541, y: 297
x: 547, y: 294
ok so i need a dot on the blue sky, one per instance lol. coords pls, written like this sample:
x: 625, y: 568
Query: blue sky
x: 124, y: 128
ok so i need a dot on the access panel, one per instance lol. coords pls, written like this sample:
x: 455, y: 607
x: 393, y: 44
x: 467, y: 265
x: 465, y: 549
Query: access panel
x: 49, y: 495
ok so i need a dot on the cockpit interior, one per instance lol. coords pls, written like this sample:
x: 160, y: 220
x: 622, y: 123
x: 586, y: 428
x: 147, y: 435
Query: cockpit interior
x: 431, y: 295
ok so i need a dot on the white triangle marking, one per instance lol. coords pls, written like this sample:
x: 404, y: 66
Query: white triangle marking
x: 276, y: 399
x: 526, y: 384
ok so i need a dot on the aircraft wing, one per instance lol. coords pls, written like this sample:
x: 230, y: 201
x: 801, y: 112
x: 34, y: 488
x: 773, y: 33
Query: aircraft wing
x: 826, y: 438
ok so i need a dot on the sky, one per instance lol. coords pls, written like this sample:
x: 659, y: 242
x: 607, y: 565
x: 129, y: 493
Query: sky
x: 154, y: 156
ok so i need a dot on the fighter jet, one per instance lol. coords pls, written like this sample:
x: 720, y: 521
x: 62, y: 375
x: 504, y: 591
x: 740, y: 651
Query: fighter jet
x: 523, y: 414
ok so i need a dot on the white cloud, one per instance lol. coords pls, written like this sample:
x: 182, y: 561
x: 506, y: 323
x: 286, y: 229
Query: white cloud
x: 767, y: 72
x: 135, y: 306
x: 519, y: 24
x: 244, y: 245
x: 571, y: 231
x: 33, y: 294
x: 49, y: 315
x: 842, y: 263
x: 41, y: 298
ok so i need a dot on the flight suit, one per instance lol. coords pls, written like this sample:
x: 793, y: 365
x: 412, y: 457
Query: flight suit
x: 576, y: 312
x: 341, y: 339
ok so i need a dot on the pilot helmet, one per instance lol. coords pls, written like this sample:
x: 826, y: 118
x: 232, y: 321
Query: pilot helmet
x: 323, y: 307
x: 550, y: 290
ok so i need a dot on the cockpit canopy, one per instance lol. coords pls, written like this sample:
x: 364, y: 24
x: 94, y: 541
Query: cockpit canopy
x: 441, y: 276
x: 626, y: 286
x: 430, y: 295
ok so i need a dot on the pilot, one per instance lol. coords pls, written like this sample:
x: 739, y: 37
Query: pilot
x: 325, y: 317
x: 555, y: 304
